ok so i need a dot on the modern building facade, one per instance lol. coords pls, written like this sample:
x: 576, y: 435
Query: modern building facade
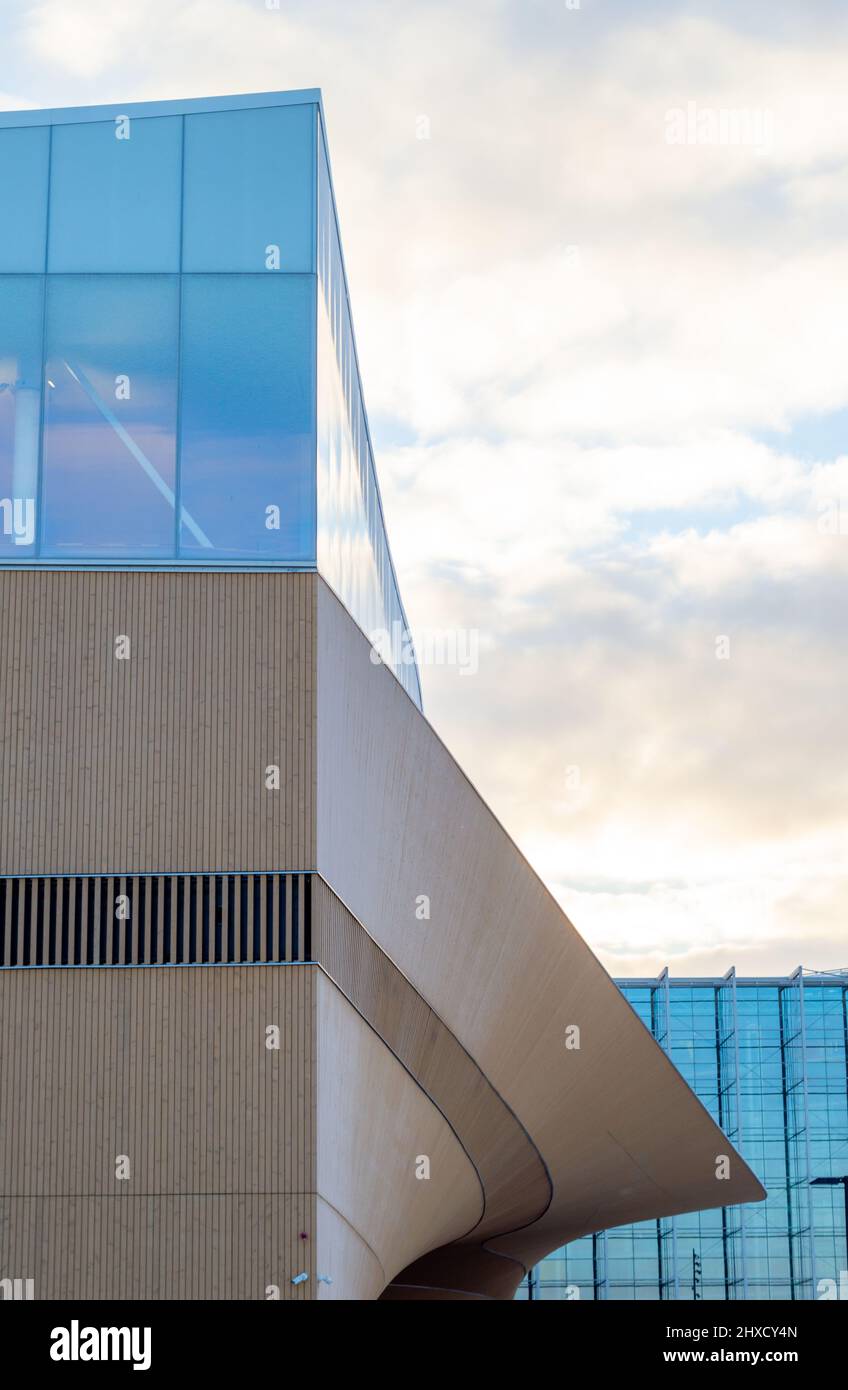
x: 283, y: 1011
x: 769, y: 1059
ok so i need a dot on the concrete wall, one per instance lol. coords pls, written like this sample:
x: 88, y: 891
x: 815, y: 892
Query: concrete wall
x: 621, y: 1134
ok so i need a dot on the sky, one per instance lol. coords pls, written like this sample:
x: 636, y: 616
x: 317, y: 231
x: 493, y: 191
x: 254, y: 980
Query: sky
x: 598, y: 271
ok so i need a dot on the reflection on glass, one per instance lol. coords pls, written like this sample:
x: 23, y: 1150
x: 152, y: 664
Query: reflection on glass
x: 23, y: 181
x: 115, y: 195
x: 347, y: 557
x: 249, y: 190
x: 20, y: 410
x: 247, y: 441
x: 789, y: 1124
x: 110, y: 416
x: 353, y: 553
x: 197, y: 396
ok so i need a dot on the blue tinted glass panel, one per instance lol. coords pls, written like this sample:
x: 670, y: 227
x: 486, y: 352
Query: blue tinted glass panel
x: 249, y: 180
x: 763, y: 1250
x: 115, y: 196
x: 110, y: 416
x: 248, y: 418
x: 23, y: 198
x: 20, y: 410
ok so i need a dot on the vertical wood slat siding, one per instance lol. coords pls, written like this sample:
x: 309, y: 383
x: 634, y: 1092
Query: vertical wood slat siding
x: 156, y: 764
x: 170, y: 1068
x: 271, y: 917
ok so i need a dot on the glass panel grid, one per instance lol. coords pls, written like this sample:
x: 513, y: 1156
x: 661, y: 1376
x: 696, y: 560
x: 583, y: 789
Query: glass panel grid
x: 790, y: 1123
x: 178, y: 375
x: 131, y: 395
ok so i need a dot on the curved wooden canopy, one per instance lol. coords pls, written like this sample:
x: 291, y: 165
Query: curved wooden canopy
x: 579, y: 1120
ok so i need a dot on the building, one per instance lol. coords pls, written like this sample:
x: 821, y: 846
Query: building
x: 769, y: 1059
x: 285, y: 1013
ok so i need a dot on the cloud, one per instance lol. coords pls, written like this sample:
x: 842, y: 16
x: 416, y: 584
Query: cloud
x: 572, y: 335
x: 85, y: 40
x: 600, y: 657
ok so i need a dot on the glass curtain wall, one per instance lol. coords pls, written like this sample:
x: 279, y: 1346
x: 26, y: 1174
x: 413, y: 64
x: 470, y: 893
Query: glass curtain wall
x: 353, y: 552
x: 178, y: 373
x: 157, y: 354
x: 769, y: 1060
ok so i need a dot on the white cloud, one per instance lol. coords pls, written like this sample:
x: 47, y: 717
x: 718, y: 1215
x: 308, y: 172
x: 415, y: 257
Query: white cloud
x: 14, y: 103
x: 583, y: 482
x: 87, y: 38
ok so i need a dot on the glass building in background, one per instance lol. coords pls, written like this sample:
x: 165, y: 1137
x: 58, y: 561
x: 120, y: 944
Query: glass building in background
x: 769, y: 1060
x: 179, y: 384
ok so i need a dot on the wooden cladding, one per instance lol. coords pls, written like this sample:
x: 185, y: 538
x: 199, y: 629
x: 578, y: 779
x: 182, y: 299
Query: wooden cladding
x: 155, y: 760
x: 169, y: 1069
x: 195, y: 919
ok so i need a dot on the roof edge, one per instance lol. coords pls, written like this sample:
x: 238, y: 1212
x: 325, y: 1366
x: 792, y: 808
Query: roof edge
x: 177, y: 106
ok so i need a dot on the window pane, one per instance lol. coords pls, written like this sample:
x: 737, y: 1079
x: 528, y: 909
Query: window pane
x: 115, y: 202
x: 353, y: 552
x: 20, y: 410
x: 23, y: 223
x: 248, y: 417
x: 110, y: 416
x: 249, y: 185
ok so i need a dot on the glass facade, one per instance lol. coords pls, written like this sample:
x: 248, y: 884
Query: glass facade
x: 353, y: 552
x: 108, y: 464
x: 247, y: 416
x: 769, y: 1060
x: 178, y: 374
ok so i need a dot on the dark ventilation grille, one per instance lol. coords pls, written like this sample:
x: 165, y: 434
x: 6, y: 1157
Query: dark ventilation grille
x: 186, y: 919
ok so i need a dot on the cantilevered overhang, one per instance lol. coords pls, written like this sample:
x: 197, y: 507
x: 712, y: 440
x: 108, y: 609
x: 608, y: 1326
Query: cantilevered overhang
x: 612, y: 1133
x: 407, y: 1036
